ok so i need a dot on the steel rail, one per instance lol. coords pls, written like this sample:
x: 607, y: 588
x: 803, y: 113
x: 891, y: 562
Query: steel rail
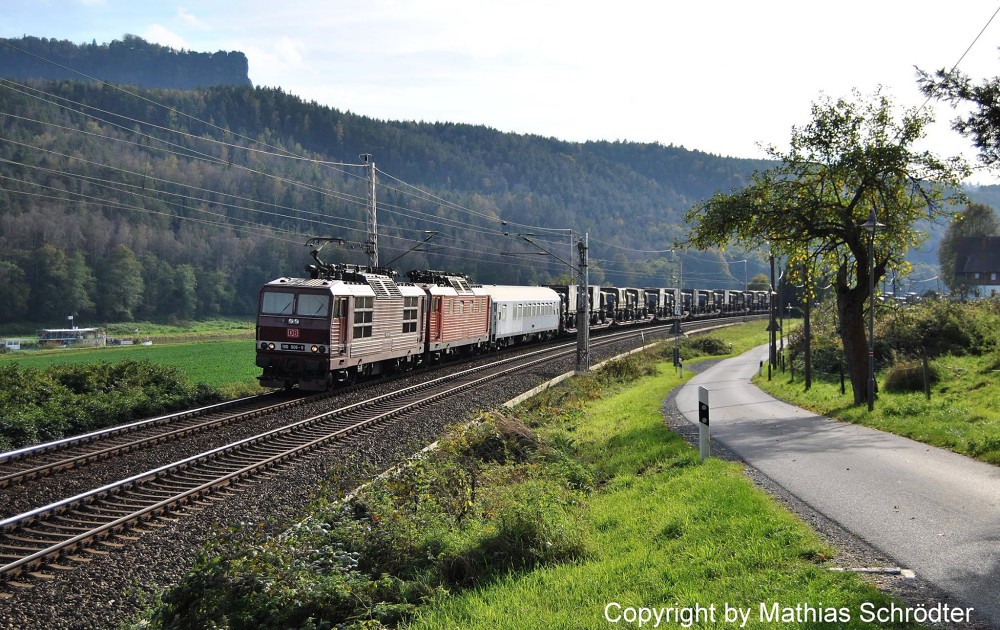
x: 89, y: 456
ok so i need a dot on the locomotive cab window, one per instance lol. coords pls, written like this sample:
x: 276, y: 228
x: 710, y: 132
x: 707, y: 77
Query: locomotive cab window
x: 363, y: 311
x: 275, y: 303
x: 313, y: 305
x: 410, y: 314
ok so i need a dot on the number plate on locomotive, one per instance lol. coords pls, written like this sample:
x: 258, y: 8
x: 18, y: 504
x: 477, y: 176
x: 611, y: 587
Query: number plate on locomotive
x: 293, y: 346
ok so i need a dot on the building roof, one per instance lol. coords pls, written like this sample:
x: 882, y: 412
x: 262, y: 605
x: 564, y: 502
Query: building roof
x: 977, y: 254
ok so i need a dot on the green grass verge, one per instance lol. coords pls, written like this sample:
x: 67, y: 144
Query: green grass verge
x: 663, y: 530
x: 961, y: 414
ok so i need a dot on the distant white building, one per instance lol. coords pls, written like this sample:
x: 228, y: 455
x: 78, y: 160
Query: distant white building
x: 10, y: 344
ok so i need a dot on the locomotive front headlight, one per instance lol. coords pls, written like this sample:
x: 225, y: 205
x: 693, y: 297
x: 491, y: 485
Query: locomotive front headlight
x: 322, y: 349
x: 263, y: 345
x: 315, y: 349
x: 270, y: 346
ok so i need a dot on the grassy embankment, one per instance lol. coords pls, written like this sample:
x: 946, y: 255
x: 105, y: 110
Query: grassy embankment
x: 961, y: 413
x: 578, y: 504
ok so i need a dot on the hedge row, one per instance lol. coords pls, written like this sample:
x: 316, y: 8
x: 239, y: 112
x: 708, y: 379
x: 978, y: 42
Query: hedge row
x: 63, y: 400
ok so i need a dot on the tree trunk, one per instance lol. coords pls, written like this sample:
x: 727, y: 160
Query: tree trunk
x: 851, y: 312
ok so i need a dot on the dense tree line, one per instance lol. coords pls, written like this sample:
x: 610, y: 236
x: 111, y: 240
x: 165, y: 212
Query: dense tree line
x: 130, y: 60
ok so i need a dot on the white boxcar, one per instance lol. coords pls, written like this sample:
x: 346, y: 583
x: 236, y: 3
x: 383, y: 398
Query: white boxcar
x: 522, y: 313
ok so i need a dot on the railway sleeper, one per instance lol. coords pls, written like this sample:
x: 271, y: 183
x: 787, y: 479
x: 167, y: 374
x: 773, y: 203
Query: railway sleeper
x: 194, y: 475
x: 170, y: 487
x: 38, y: 532
x: 9, y: 556
x: 59, y: 567
x: 42, y: 541
x: 78, y: 522
x: 130, y: 502
x: 45, y: 577
x: 113, y: 545
x: 101, y: 511
x: 22, y: 548
x: 152, y: 495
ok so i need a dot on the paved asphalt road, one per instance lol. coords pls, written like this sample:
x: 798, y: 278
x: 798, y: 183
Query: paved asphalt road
x: 931, y: 510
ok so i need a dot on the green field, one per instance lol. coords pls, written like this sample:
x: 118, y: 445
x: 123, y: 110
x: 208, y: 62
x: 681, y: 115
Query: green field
x: 223, y: 364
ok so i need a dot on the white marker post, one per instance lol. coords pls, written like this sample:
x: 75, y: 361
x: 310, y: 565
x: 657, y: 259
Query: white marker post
x: 704, y: 437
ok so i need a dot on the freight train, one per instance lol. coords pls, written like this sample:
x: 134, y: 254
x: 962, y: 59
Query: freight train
x: 349, y: 321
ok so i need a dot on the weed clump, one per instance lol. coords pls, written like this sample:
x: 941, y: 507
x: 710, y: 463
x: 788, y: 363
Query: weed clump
x: 624, y: 370
x: 908, y: 376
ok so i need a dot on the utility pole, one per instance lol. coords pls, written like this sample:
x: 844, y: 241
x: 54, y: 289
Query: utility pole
x: 583, y: 309
x: 371, y: 245
x: 806, y: 326
x: 772, y: 326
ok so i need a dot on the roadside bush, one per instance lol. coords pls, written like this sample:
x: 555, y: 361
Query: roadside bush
x: 623, y: 370
x: 495, y: 438
x: 827, y: 349
x: 699, y: 346
x: 939, y: 327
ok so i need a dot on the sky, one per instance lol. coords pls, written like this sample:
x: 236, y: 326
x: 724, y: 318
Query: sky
x: 724, y: 77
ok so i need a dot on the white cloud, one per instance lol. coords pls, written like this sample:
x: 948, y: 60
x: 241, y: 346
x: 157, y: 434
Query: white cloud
x: 165, y: 37
x: 189, y: 19
x: 289, y: 51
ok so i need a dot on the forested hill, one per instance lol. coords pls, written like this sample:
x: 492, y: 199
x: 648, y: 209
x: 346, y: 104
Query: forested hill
x: 131, y: 60
x: 175, y: 204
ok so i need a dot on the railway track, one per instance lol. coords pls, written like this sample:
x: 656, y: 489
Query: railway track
x: 36, y: 461
x: 56, y: 536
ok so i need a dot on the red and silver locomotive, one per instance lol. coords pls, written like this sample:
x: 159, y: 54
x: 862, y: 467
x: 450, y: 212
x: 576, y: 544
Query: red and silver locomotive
x: 313, y: 332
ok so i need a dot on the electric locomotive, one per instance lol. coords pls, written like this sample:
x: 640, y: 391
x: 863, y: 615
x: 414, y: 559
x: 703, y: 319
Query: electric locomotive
x: 313, y: 332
